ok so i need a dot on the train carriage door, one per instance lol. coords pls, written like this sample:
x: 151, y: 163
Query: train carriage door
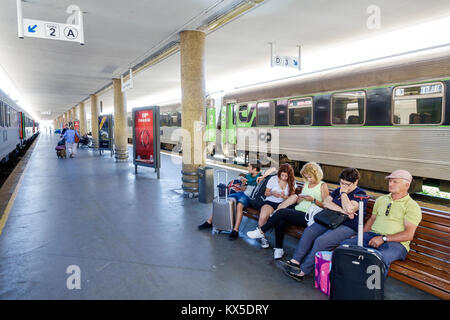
x: 211, y: 124
x: 223, y: 125
x: 21, y: 126
x: 231, y: 123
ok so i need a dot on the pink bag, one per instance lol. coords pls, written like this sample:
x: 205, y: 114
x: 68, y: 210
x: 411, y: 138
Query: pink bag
x: 322, y: 271
x: 60, y: 147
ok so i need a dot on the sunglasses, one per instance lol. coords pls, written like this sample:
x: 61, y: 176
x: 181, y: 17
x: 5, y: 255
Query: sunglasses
x: 388, y: 209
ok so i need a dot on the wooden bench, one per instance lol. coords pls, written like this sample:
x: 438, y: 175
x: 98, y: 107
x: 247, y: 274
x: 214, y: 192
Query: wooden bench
x: 427, y: 265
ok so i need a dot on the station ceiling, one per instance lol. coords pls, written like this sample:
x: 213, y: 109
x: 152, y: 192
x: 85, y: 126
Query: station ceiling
x: 53, y: 76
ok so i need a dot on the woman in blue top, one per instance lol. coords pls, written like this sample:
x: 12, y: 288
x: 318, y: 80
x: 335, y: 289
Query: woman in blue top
x: 317, y: 237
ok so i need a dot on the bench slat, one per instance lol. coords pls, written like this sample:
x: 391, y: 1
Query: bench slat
x: 419, y: 284
x: 433, y: 246
x: 420, y: 277
x: 433, y: 253
x: 436, y: 229
x: 436, y: 218
x: 430, y: 261
x: 444, y: 244
x: 442, y: 277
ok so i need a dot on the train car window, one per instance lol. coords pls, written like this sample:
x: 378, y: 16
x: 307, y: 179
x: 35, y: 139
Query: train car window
x: 173, y: 119
x: 243, y: 113
x: 8, y: 116
x: 164, y: 120
x: 1, y: 114
x: 300, y: 112
x: 264, y: 111
x: 418, y: 104
x: 281, y: 113
x: 178, y: 119
x: 348, y: 108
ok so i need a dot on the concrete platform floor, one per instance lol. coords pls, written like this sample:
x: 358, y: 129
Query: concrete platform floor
x: 133, y: 237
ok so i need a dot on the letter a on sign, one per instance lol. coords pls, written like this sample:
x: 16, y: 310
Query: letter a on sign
x: 374, y: 281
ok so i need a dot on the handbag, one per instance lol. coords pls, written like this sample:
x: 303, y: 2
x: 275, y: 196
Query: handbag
x: 312, y: 211
x: 329, y: 218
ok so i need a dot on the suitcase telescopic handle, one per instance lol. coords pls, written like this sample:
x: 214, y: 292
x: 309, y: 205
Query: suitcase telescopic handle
x: 361, y: 198
x: 226, y: 181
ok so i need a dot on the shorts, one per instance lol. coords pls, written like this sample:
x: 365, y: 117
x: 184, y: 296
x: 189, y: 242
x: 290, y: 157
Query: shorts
x: 275, y: 205
x: 240, y: 197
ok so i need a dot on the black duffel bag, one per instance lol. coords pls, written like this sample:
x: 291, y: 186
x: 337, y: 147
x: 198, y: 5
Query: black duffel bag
x: 329, y: 218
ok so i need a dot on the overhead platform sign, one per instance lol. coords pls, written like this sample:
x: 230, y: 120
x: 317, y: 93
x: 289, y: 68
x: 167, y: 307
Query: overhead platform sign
x: 72, y: 30
x: 285, y: 61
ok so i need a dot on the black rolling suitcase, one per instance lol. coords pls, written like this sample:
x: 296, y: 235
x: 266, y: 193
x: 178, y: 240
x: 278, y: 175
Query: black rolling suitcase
x: 357, y: 273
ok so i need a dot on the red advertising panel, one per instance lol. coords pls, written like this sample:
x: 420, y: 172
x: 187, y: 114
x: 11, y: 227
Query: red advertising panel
x: 144, y: 136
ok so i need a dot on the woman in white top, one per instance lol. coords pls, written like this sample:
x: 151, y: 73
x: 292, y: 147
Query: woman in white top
x: 279, y: 188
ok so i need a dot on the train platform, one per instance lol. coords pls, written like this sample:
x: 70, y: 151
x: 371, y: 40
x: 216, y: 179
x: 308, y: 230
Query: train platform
x: 133, y: 237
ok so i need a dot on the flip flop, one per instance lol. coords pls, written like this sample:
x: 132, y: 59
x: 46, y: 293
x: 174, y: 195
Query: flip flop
x: 290, y: 264
x: 294, y: 276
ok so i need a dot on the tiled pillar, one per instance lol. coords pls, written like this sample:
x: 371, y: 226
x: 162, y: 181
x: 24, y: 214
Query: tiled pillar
x: 192, y: 49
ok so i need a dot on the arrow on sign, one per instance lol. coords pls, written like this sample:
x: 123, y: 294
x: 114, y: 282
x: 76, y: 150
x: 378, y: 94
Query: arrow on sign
x: 32, y: 29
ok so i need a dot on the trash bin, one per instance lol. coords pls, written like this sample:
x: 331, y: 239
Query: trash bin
x: 205, y: 184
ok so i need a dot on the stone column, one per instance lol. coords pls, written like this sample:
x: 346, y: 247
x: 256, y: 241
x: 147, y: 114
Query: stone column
x: 120, y: 123
x: 74, y: 114
x: 192, y: 49
x: 83, y: 124
x: 94, y: 121
x: 71, y: 116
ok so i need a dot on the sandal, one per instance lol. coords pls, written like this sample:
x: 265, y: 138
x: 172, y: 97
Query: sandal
x: 295, y: 276
x: 288, y: 263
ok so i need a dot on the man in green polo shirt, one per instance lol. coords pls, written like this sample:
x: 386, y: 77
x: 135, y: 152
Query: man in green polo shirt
x: 394, y: 220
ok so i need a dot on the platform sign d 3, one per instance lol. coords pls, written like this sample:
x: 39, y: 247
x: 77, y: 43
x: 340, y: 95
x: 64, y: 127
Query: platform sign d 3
x: 146, y: 137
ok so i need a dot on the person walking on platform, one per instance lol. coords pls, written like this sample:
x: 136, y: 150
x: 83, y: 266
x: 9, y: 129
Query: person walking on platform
x: 71, y: 145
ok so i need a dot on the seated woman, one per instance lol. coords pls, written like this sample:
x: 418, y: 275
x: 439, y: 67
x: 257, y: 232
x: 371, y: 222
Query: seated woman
x: 313, y: 192
x: 317, y: 237
x: 279, y: 188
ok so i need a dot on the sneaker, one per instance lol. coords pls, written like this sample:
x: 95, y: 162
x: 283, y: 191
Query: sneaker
x: 264, y: 243
x: 278, y: 253
x: 233, y: 235
x: 205, y: 225
x: 255, y: 234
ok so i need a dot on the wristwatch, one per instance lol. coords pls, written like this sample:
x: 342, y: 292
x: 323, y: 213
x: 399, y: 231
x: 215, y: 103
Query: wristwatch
x: 384, y: 238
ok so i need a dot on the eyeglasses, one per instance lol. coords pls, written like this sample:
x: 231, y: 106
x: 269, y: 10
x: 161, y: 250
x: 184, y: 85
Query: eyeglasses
x: 388, y: 209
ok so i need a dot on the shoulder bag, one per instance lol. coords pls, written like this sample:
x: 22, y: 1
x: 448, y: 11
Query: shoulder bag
x: 329, y: 218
